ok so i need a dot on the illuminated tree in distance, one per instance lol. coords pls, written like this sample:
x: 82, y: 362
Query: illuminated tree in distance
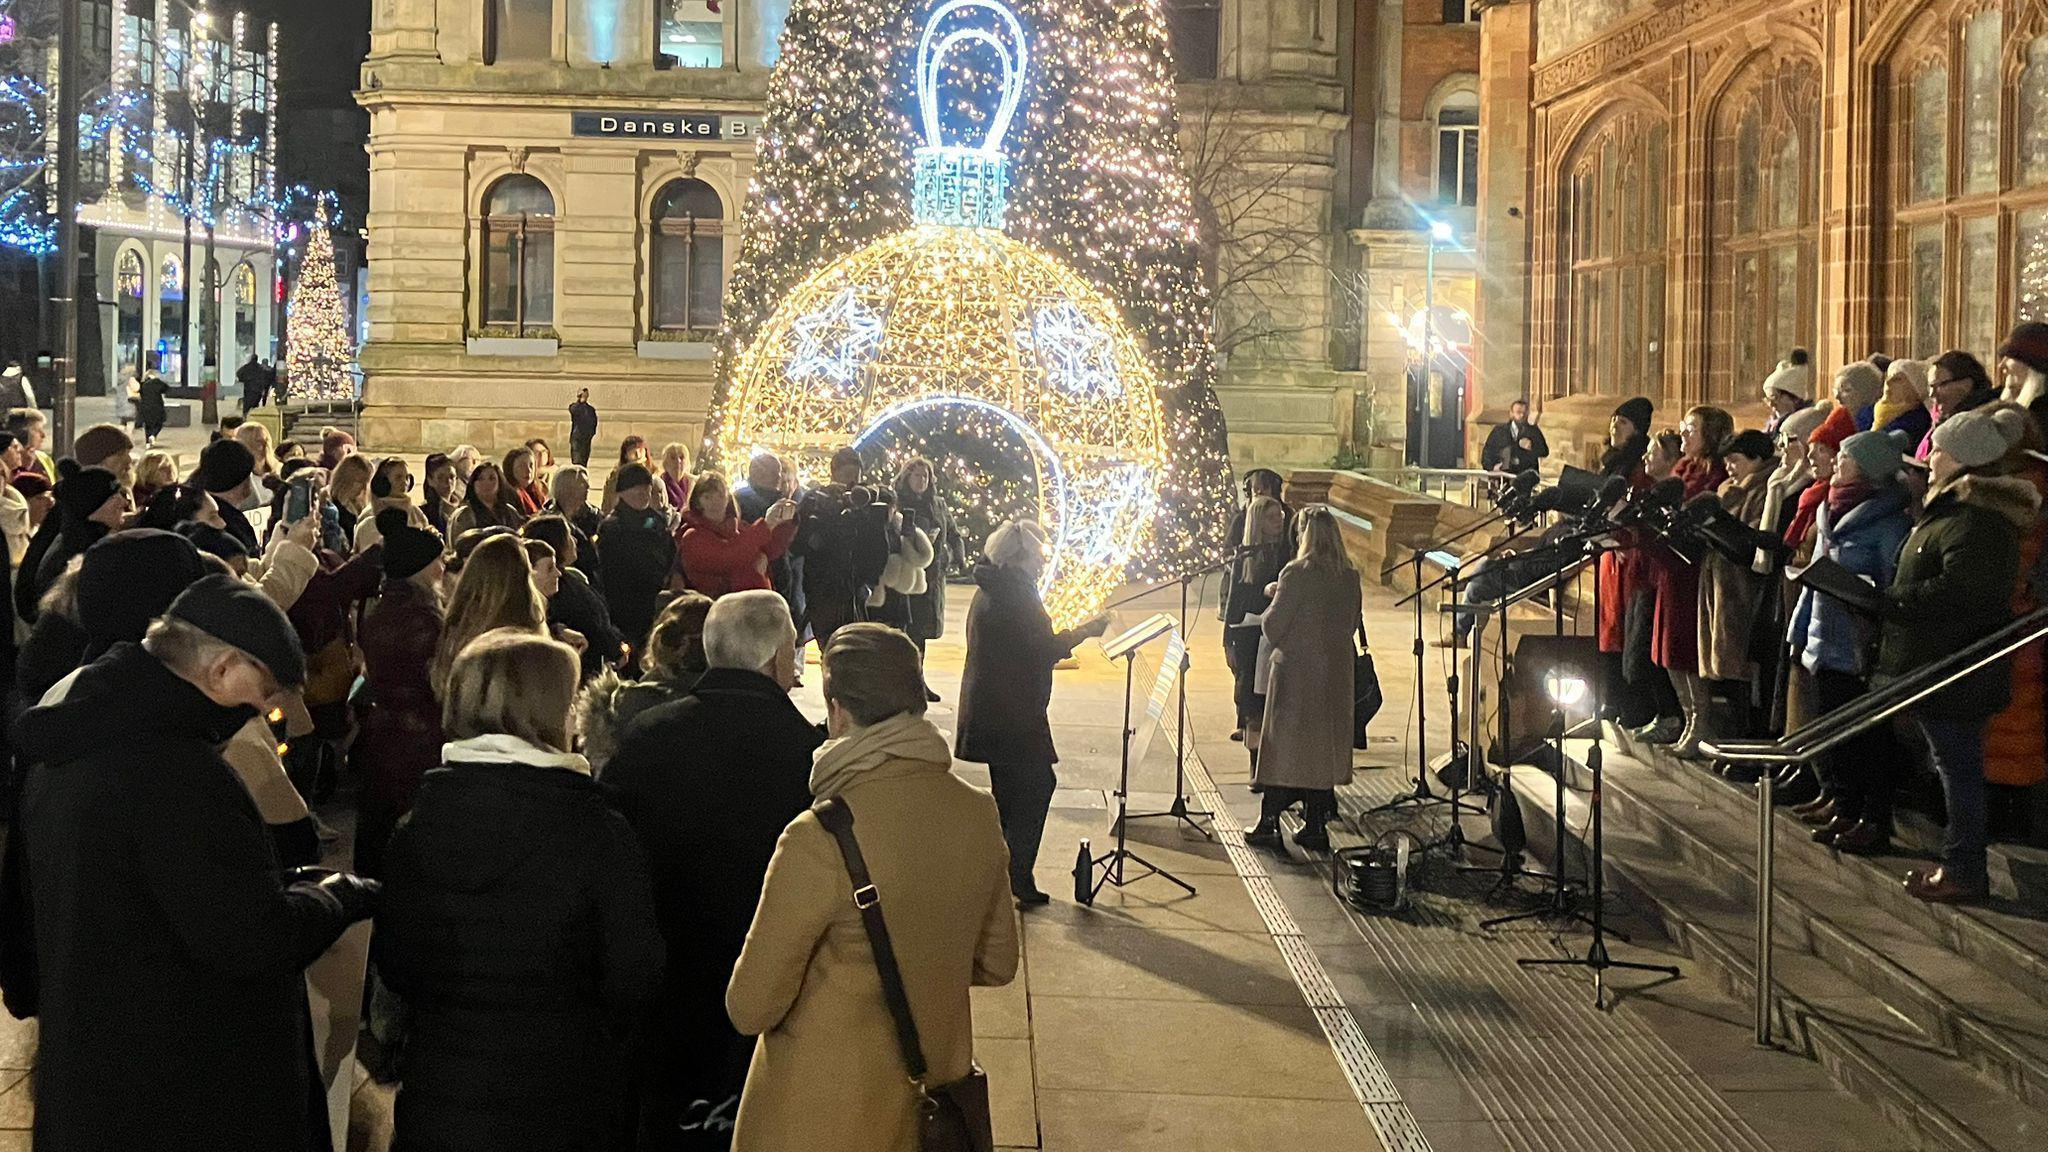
x: 1097, y: 180
x: 318, y: 351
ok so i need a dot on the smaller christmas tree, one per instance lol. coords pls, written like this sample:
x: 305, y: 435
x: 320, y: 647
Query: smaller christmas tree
x: 318, y: 350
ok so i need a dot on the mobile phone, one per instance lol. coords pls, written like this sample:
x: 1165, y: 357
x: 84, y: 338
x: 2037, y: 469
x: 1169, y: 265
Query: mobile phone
x: 298, y: 501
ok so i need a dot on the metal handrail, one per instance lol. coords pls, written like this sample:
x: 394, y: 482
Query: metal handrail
x: 1830, y: 731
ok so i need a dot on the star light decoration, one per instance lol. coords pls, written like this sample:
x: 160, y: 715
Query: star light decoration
x: 836, y: 341
x: 1096, y: 179
x: 973, y: 322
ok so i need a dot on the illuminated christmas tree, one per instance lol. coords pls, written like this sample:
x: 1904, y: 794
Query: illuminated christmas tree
x: 1095, y: 178
x: 318, y: 351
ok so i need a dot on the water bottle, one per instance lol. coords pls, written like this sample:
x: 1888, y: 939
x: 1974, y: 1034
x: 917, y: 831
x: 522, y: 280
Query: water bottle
x: 1084, y: 874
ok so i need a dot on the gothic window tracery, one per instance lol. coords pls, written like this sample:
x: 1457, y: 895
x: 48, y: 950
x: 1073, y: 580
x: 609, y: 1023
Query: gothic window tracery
x: 1615, y: 248
x: 1765, y: 224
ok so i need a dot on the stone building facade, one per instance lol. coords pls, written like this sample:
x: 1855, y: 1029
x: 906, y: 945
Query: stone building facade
x: 556, y: 187
x: 1702, y: 186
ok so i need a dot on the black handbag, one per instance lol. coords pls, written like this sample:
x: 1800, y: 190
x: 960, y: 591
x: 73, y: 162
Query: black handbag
x: 1365, y: 688
x: 950, y: 1117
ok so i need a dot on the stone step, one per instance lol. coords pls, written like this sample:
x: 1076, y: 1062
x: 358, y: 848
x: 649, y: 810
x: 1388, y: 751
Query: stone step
x: 1976, y: 1088
x: 2010, y: 934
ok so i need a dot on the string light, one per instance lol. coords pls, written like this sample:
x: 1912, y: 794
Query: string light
x: 1095, y: 188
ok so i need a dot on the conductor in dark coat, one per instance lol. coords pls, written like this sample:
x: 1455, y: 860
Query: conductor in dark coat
x: 168, y: 948
x: 1007, y: 687
x: 1516, y: 446
x: 709, y: 782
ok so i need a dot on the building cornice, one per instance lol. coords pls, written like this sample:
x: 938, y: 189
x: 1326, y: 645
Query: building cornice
x: 1694, y: 21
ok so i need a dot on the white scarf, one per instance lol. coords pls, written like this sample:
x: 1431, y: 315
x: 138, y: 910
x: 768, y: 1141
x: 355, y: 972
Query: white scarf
x: 500, y: 748
x: 901, y: 738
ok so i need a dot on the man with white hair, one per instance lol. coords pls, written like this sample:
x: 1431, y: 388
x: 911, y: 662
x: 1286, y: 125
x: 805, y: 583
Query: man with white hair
x: 708, y: 783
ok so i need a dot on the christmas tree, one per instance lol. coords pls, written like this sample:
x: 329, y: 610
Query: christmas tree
x: 318, y: 350
x: 1097, y: 180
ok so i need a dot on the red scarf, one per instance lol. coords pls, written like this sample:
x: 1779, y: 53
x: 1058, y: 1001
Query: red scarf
x: 1843, y: 497
x: 1809, y: 507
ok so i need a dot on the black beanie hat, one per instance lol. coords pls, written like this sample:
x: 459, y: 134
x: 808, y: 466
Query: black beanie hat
x: 128, y: 579
x: 2028, y: 344
x: 239, y: 614
x: 406, y: 549
x: 81, y: 491
x: 631, y: 476
x: 212, y: 540
x: 1638, y: 411
x: 224, y: 464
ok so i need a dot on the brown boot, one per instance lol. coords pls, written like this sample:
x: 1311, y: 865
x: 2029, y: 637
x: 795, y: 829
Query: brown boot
x: 1936, y: 888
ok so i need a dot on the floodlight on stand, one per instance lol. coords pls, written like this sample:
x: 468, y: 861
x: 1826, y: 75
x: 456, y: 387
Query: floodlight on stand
x: 1440, y: 231
x: 1565, y: 689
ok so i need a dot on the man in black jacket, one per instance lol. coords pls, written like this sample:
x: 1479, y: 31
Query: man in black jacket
x: 709, y: 782
x: 843, y: 537
x: 637, y: 554
x: 582, y: 428
x: 168, y: 952
x: 1516, y: 446
x: 576, y: 605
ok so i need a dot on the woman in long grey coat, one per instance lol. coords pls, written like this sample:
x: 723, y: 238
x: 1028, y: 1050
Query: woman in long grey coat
x: 1306, y: 738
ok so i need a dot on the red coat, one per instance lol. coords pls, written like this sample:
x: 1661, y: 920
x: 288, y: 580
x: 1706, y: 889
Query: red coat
x: 730, y: 555
x: 1675, y: 638
x: 1620, y: 574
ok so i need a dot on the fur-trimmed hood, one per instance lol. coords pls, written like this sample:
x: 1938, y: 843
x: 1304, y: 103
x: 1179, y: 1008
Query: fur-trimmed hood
x: 2012, y: 497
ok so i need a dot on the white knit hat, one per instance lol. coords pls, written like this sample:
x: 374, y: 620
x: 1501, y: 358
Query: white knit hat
x: 1861, y: 384
x: 1912, y: 372
x: 1793, y: 376
x: 1973, y: 438
x: 1014, y: 541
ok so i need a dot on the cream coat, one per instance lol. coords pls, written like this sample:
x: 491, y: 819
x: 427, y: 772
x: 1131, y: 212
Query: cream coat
x: 827, y: 1075
x: 1312, y: 625
x: 1728, y: 591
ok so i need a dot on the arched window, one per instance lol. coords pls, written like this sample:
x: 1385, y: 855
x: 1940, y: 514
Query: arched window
x: 1616, y: 247
x: 1457, y: 151
x: 1969, y: 207
x: 131, y: 289
x: 688, y: 259
x: 1766, y: 215
x: 518, y: 30
x: 519, y: 255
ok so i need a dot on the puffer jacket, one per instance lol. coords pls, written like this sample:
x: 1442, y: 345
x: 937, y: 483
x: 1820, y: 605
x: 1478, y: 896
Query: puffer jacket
x: 730, y: 555
x: 1954, y: 586
x: 1827, y: 634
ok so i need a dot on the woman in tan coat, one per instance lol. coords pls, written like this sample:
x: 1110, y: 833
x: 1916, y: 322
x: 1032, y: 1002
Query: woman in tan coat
x: 1305, y: 741
x: 1729, y: 593
x: 828, y: 1074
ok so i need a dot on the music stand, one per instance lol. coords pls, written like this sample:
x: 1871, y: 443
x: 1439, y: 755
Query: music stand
x: 1179, y: 810
x: 1113, y: 863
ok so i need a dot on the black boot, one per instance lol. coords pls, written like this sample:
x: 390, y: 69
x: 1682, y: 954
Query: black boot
x: 1264, y: 834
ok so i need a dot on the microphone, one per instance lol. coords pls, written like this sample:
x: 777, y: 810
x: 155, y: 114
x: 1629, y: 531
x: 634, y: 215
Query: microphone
x: 1525, y: 482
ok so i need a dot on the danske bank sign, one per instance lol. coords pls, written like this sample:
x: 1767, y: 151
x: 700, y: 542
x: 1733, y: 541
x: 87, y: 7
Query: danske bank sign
x: 665, y: 125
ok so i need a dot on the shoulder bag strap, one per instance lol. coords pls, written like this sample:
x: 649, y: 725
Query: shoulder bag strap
x: 838, y: 820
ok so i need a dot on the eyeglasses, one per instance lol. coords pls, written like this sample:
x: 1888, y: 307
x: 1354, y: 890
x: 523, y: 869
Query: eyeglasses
x: 1948, y: 380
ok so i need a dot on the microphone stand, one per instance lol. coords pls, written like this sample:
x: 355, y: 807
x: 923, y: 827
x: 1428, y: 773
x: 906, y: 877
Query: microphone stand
x: 1422, y: 795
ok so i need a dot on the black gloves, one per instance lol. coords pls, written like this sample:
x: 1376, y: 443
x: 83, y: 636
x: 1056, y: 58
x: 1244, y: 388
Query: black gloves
x: 353, y: 897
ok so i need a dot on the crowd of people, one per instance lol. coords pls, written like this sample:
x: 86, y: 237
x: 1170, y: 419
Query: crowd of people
x: 1925, y: 481
x: 583, y: 799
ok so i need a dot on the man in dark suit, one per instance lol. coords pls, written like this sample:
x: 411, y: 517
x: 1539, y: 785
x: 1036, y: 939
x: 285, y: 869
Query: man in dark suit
x: 708, y: 783
x: 1516, y: 446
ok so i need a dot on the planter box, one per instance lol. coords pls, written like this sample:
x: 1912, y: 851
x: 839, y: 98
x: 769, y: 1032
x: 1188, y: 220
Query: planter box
x: 512, y: 346
x: 678, y: 350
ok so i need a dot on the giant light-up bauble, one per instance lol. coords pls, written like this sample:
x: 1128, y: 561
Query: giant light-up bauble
x: 955, y: 312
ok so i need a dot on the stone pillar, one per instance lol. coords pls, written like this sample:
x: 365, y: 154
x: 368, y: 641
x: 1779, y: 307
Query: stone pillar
x: 1507, y: 42
x: 401, y: 29
x: 595, y: 247
x: 418, y: 223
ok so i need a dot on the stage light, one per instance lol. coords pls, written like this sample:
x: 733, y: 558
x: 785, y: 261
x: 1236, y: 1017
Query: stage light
x: 1566, y: 690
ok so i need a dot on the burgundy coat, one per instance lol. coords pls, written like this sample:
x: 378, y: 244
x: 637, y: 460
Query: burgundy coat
x: 1675, y: 638
x: 401, y: 739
